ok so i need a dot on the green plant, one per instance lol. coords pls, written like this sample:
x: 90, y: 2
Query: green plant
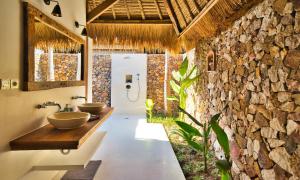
x: 195, y: 139
x: 149, y: 107
x: 224, y: 165
x: 200, y: 141
x: 182, y: 80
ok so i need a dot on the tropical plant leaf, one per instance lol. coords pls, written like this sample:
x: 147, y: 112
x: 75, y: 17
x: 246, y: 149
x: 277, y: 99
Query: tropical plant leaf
x: 195, y: 145
x: 225, y: 176
x: 192, y: 73
x: 188, y: 82
x: 149, y: 104
x: 190, y: 116
x: 172, y: 98
x: 183, y: 67
x: 223, y: 165
x: 188, y: 128
x: 174, y: 86
x: 216, y: 117
x: 181, y: 133
x: 207, y: 132
x: 176, y: 75
x: 182, y: 96
x: 221, y: 135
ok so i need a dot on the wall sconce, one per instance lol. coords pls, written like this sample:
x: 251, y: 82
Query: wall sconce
x: 56, y: 10
x: 83, y: 32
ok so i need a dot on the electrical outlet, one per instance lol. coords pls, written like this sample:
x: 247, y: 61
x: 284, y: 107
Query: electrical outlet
x: 14, y: 84
x: 4, y: 84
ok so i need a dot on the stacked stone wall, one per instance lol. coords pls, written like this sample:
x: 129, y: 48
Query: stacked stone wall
x: 102, y: 78
x: 258, y: 76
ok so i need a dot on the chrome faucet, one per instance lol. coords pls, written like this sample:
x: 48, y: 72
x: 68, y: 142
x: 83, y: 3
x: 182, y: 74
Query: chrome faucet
x: 49, y: 103
x: 78, y: 97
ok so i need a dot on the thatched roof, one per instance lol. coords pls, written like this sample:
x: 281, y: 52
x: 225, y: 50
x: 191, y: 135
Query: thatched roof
x: 160, y: 24
x: 46, y: 37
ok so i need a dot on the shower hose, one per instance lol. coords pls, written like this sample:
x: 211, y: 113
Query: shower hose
x: 139, y: 89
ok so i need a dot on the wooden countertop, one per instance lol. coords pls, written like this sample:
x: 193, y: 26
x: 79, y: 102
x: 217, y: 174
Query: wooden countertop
x: 48, y: 137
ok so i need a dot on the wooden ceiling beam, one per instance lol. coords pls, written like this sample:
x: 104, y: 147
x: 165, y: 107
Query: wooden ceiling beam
x: 113, y: 12
x: 158, y: 9
x: 196, y: 5
x: 203, y: 12
x: 166, y: 22
x: 100, y: 9
x: 126, y: 5
x: 142, y: 10
x: 188, y: 8
x: 172, y: 15
x: 181, y: 13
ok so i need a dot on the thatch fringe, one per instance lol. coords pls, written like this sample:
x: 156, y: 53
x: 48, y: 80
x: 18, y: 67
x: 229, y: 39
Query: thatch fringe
x: 46, y: 37
x: 135, y: 36
x: 220, y: 17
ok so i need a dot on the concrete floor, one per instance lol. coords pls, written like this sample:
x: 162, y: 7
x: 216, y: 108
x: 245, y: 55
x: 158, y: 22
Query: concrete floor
x: 135, y: 150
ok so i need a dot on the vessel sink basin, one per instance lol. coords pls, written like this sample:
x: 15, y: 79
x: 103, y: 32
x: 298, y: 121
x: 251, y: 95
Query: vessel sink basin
x: 93, y: 108
x: 68, y: 120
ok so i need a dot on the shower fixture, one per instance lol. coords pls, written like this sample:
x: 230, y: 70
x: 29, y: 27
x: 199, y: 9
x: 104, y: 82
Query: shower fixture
x: 128, y: 87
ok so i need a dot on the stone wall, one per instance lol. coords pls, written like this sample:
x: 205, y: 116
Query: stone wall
x: 174, y: 62
x: 155, y: 80
x: 65, y: 67
x: 258, y: 76
x: 102, y: 78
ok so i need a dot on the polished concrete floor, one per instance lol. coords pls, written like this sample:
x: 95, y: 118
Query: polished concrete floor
x: 135, y: 150
x: 129, y: 147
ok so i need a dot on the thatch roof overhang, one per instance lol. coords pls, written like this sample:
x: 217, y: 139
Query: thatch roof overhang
x: 160, y: 24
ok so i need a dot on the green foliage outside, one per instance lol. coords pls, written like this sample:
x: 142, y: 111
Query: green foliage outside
x: 191, y: 161
x: 149, y: 107
x: 182, y: 80
x: 199, y: 141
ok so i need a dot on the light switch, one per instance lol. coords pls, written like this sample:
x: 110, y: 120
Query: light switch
x: 4, y: 84
x: 14, y: 84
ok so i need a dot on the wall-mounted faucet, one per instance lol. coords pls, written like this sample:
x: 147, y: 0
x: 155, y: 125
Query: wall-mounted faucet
x: 78, y: 97
x: 49, y: 103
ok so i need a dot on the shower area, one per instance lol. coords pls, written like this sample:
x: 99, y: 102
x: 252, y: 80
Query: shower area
x: 124, y: 80
x: 128, y: 83
x: 120, y: 81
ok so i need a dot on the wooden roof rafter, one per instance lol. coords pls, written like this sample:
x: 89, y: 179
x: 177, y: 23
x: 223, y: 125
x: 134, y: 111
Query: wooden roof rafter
x: 188, y: 8
x: 202, y: 13
x: 113, y: 12
x: 132, y: 21
x: 100, y: 9
x: 172, y: 16
x: 180, y: 12
x: 142, y: 10
x: 158, y: 9
x: 126, y: 6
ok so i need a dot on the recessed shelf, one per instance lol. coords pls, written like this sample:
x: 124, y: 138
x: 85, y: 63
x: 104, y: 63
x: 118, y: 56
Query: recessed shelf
x: 49, y: 138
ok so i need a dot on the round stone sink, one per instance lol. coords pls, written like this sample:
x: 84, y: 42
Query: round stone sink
x: 68, y: 120
x: 93, y: 108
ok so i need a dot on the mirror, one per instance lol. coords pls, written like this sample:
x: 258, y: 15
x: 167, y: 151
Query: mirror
x: 54, y: 56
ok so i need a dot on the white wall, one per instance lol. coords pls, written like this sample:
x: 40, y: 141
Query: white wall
x: 123, y: 64
x: 17, y: 112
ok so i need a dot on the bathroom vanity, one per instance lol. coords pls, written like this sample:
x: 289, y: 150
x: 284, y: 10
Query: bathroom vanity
x: 50, y: 138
